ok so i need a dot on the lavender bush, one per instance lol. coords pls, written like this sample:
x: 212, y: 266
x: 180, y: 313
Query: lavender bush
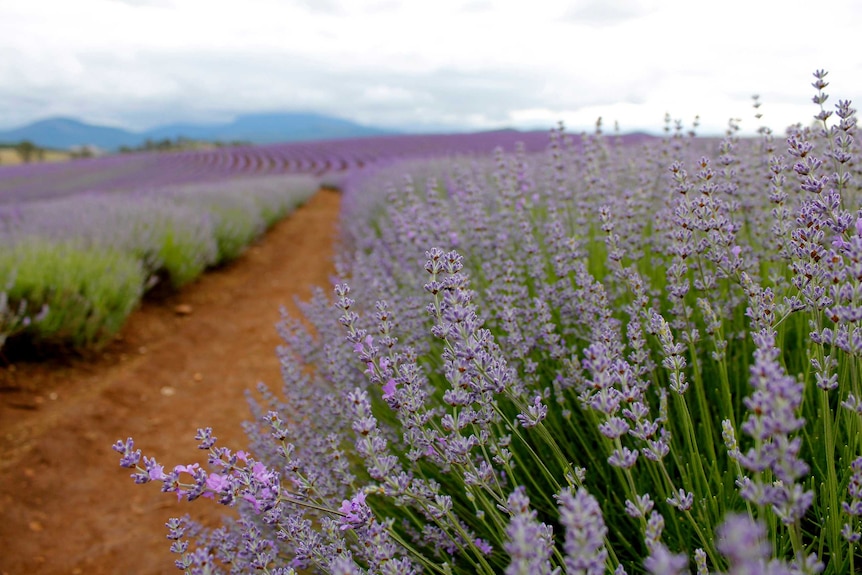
x: 625, y: 359
x: 242, y: 210
x: 85, y: 295
x: 89, y: 258
x: 15, y: 318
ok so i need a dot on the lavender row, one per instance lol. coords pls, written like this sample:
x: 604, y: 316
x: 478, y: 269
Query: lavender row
x: 74, y: 267
x: 119, y: 173
x: 602, y: 358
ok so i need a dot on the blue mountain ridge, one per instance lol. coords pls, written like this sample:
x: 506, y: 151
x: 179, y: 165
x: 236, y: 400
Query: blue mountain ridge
x: 266, y: 128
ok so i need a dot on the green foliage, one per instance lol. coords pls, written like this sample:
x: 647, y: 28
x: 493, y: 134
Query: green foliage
x: 87, y: 294
x: 180, y: 143
x: 182, y: 257
x: 28, y: 150
x: 236, y: 221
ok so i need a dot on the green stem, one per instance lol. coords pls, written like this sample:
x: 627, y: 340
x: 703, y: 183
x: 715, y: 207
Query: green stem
x: 700, y: 484
x: 486, y: 568
x: 706, y: 542
x: 832, y: 514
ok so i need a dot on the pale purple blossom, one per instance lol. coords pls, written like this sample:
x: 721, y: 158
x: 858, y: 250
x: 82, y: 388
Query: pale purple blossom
x: 581, y: 517
x: 661, y: 561
x: 529, y: 541
x: 355, y: 512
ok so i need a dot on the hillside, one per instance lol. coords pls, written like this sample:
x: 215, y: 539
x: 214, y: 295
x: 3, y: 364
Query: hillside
x: 65, y: 133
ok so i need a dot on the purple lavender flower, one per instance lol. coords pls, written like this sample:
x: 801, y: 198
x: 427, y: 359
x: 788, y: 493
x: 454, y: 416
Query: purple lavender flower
x: 205, y: 436
x: 661, y: 561
x: 355, y: 512
x: 743, y: 542
x: 449, y: 391
x: 624, y: 458
x: 581, y: 517
x: 535, y: 413
x: 681, y: 499
x: 773, y: 407
x: 530, y: 542
x: 131, y: 456
x: 850, y: 530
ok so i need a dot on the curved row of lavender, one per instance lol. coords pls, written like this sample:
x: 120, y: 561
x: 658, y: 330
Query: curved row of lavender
x: 73, y: 267
x: 162, y: 217
x: 321, y: 158
x: 601, y: 359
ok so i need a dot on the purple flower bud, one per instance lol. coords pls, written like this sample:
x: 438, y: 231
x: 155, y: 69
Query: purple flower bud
x: 355, y: 512
x: 205, y: 436
x: 535, y: 413
x: 389, y: 389
x: 744, y: 543
x: 662, y: 562
x: 625, y: 458
x: 131, y: 456
x: 681, y: 499
x: 614, y: 427
x: 581, y: 516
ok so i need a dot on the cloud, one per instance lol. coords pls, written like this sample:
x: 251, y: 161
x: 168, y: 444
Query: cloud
x: 448, y: 63
x: 607, y: 12
x: 478, y: 6
x: 326, y: 6
x: 385, y: 94
x: 156, y: 3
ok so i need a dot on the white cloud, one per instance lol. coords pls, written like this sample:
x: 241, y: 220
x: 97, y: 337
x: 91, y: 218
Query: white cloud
x: 159, y: 3
x: 454, y: 63
x: 603, y: 12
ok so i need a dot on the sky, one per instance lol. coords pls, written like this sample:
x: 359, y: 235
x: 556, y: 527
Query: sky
x: 428, y: 65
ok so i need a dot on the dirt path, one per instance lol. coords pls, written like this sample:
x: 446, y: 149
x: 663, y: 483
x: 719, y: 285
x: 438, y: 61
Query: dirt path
x: 67, y: 507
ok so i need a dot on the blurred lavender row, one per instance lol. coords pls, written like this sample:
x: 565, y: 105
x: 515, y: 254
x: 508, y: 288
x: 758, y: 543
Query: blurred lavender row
x: 330, y: 158
x: 75, y: 266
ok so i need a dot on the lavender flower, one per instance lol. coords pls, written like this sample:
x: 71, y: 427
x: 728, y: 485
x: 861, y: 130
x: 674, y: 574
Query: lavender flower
x: 744, y: 543
x: 355, y: 513
x: 530, y: 542
x: 773, y: 405
x: 584, y: 545
x: 662, y: 562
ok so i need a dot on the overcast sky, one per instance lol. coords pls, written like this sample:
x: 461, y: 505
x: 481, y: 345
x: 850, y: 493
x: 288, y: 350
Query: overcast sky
x: 471, y: 64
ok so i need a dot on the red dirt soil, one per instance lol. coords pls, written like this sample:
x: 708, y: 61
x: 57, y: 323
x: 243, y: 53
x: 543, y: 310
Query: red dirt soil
x: 67, y: 506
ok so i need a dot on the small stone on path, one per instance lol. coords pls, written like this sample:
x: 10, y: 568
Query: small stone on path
x: 183, y: 309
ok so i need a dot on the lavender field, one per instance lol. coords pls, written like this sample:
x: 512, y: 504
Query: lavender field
x: 608, y: 356
x: 88, y: 239
x: 330, y: 159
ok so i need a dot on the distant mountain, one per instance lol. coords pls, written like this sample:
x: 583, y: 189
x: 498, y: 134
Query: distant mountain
x: 63, y: 133
x: 269, y: 128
